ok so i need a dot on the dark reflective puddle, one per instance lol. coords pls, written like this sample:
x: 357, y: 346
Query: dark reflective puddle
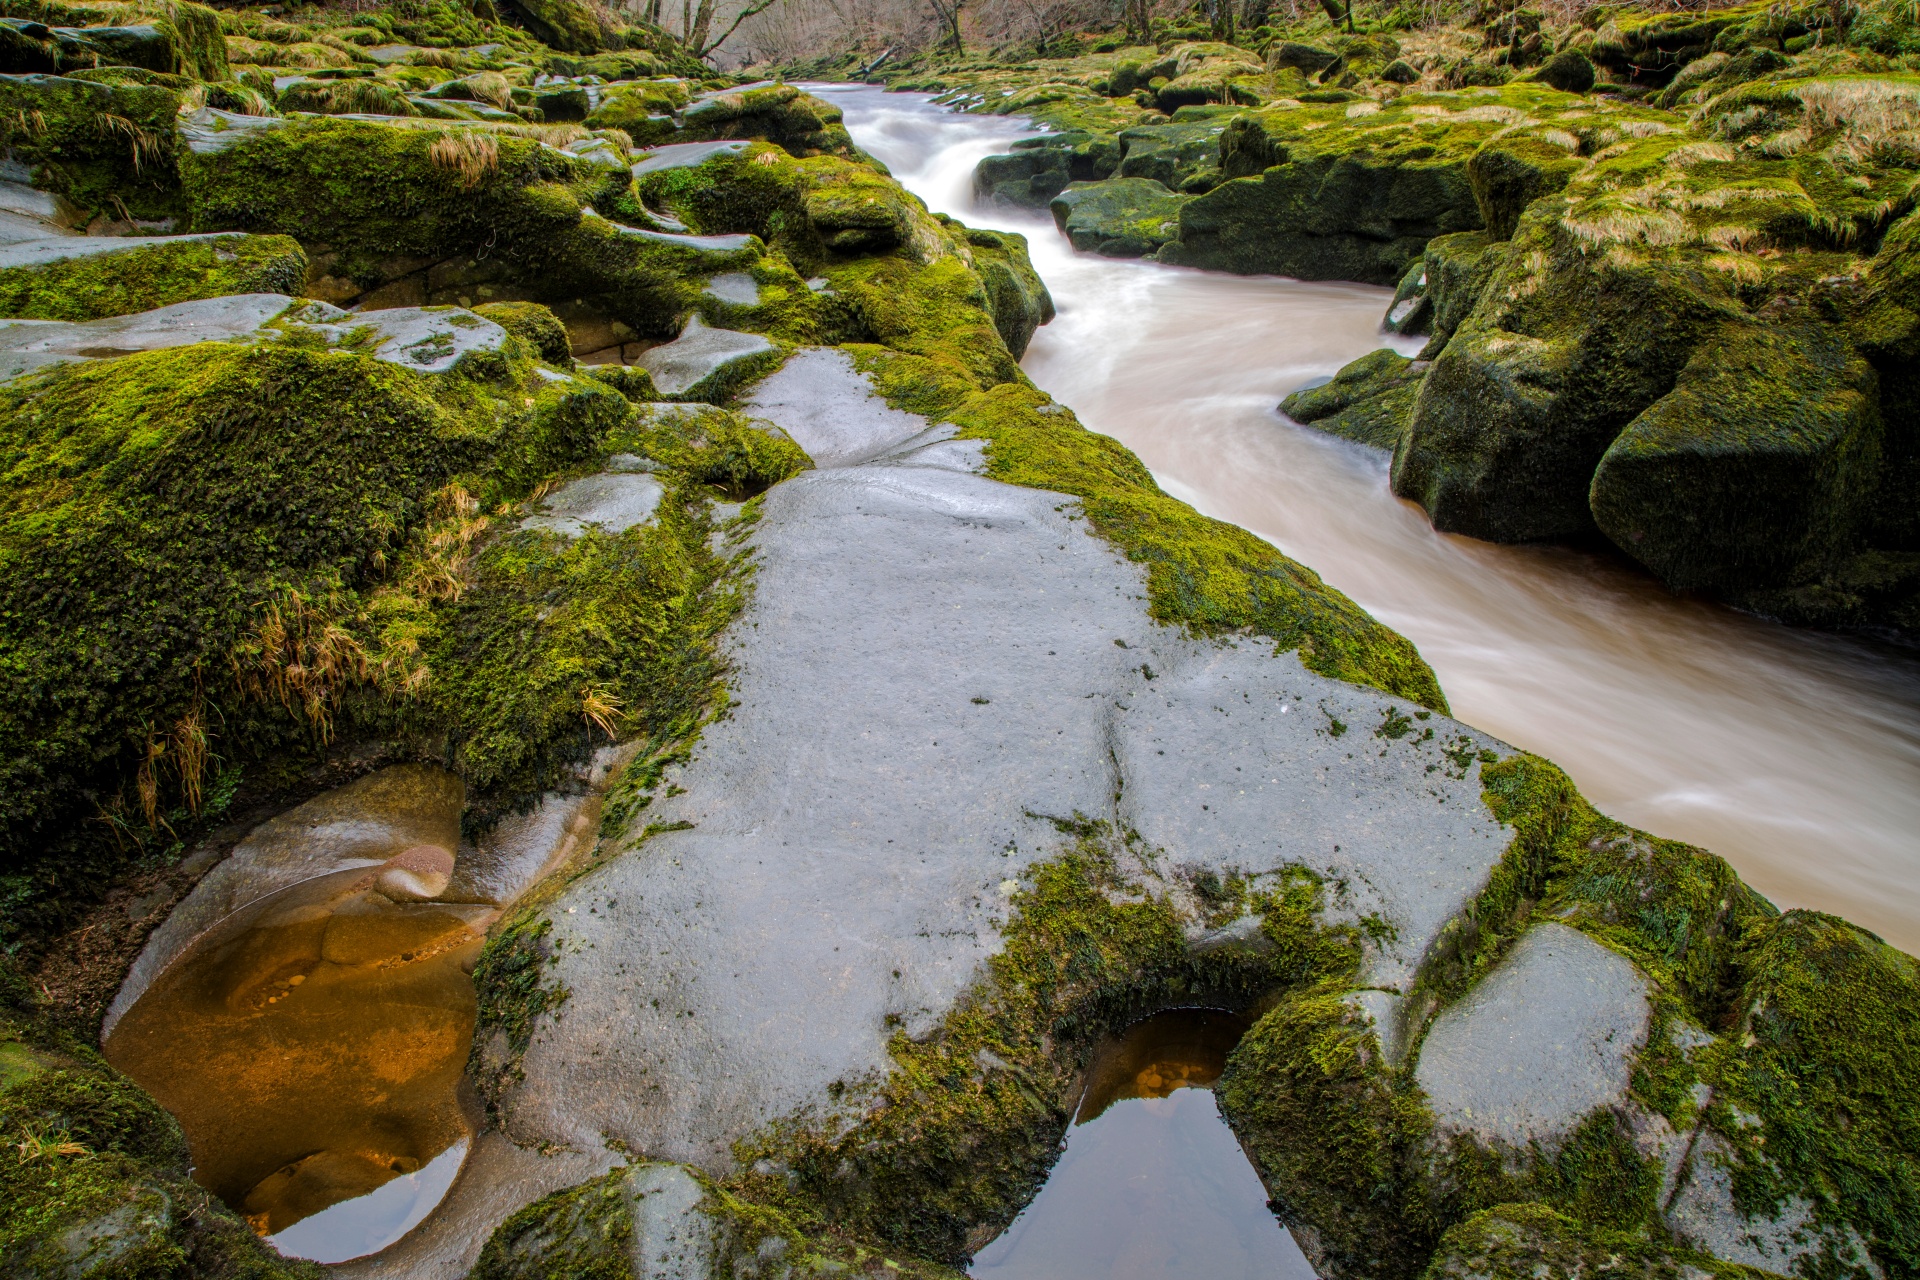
x: 1152, y: 1184
x: 312, y: 1046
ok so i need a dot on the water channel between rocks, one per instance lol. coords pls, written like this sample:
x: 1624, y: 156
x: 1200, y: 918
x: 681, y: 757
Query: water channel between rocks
x: 1793, y: 754
x: 1152, y: 1184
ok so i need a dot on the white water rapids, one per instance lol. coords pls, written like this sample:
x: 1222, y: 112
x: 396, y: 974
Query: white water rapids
x: 1793, y: 754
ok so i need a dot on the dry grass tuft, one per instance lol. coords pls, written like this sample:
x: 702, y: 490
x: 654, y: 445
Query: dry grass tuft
x: 599, y: 708
x: 470, y: 153
x: 301, y: 657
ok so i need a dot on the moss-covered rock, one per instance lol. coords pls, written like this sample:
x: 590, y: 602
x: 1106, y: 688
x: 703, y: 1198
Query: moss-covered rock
x: 534, y: 325
x: 94, y: 144
x: 1120, y: 218
x: 1313, y: 1099
x: 1758, y: 467
x: 1016, y: 295
x: 623, y: 1224
x: 62, y: 280
x: 1371, y: 400
x: 800, y: 123
x: 1531, y: 1241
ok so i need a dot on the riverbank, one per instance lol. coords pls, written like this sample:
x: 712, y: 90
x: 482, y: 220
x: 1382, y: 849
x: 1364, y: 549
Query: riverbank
x: 1591, y: 205
x: 833, y: 741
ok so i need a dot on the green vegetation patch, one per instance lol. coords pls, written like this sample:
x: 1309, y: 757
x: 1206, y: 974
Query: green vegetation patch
x: 122, y: 282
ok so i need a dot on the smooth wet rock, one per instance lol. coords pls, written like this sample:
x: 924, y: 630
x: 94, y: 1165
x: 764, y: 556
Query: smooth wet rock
x: 415, y: 874
x: 361, y: 824
x: 702, y: 360
x: 609, y: 503
x: 860, y: 811
x: 683, y: 155
x: 209, y: 130
x: 1538, y: 1043
x: 734, y: 287
x: 830, y: 409
x: 27, y: 345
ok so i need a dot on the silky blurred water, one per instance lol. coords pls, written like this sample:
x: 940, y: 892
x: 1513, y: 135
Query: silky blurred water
x: 1793, y: 754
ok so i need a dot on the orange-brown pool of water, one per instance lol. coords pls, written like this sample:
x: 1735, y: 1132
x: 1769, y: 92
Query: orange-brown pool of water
x: 312, y: 1047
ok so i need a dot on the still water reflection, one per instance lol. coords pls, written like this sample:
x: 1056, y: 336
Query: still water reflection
x: 1152, y: 1184
x: 311, y: 1046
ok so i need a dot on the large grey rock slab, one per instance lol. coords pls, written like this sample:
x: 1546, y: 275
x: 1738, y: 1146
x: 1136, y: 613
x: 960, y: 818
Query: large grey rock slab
x: 933, y: 664
x: 424, y: 339
x: 830, y: 409
x: 27, y: 213
x: 62, y: 248
x: 611, y: 502
x: 735, y: 288
x: 698, y: 355
x: 361, y: 824
x: 1538, y: 1043
x: 209, y: 130
x: 29, y: 345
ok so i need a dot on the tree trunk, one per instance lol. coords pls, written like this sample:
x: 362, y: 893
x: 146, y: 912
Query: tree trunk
x: 702, y: 25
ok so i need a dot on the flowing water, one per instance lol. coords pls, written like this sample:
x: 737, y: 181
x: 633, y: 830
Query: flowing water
x: 1793, y: 754
x: 1152, y: 1184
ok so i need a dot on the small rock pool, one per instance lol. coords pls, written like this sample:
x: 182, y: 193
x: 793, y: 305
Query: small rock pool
x: 312, y: 1045
x: 1152, y: 1185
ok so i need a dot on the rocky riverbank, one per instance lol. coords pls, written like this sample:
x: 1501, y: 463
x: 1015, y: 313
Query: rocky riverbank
x: 1665, y: 263
x: 841, y: 738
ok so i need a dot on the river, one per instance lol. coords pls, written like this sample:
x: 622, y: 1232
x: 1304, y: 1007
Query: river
x: 1793, y: 754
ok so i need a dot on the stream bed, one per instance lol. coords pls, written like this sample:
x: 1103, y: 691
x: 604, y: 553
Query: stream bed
x: 1793, y: 754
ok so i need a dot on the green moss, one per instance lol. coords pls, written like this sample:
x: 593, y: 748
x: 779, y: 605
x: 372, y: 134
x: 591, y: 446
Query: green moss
x: 1370, y: 400
x: 1332, y: 1132
x: 798, y: 122
x: 534, y: 325
x: 1531, y: 1241
x: 103, y: 147
x: 1829, y: 1035
x: 513, y: 990
x: 91, y: 286
x: 961, y: 1130
x: 716, y: 448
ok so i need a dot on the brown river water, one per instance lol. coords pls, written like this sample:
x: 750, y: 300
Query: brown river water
x: 1793, y: 754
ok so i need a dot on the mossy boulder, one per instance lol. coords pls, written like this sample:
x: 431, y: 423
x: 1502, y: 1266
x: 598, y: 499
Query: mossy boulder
x: 1016, y: 295
x: 1315, y: 1102
x: 1181, y: 155
x: 1371, y: 400
x: 567, y: 25
x: 1531, y: 1241
x: 477, y: 208
x: 86, y: 279
x: 1038, y: 169
x: 94, y: 144
x: 1569, y: 71
x: 1510, y: 173
x: 1119, y: 218
x: 536, y: 326
x: 1759, y: 467
x: 1338, y: 192
x: 798, y: 122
